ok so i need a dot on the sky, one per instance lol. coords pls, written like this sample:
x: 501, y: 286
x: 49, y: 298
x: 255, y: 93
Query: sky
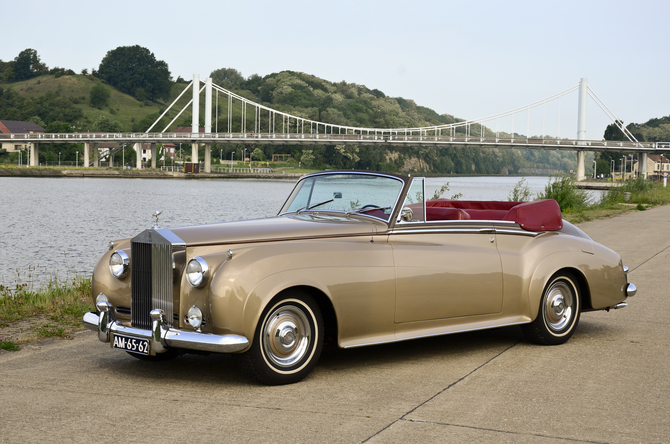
x: 469, y: 59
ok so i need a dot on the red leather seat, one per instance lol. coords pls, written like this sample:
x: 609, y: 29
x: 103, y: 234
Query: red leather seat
x: 440, y: 213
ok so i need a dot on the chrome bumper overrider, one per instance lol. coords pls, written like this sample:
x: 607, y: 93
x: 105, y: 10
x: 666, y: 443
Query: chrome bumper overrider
x: 161, y: 338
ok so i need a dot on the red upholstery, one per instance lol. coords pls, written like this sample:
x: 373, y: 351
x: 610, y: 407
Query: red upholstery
x: 541, y: 215
x: 472, y: 204
x: 486, y: 214
x: 440, y: 213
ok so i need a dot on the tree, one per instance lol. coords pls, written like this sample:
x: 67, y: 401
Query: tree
x: 104, y: 124
x: 307, y: 157
x: 28, y: 65
x: 8, y: 75
x: 37, y: 120
x: 258, y: 154
x: 612, y: 132
x: 228, y: 78
x: 99, y: 96
x: 133, y: 69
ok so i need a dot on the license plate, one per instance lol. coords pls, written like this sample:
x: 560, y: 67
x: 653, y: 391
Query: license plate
x: 132, y: 345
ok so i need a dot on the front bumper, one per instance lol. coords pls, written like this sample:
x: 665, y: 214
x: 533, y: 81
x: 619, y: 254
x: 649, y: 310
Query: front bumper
x: 160, y: 337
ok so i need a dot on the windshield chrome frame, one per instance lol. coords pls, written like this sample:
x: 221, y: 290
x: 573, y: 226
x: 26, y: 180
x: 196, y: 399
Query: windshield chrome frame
x: 394, y: 208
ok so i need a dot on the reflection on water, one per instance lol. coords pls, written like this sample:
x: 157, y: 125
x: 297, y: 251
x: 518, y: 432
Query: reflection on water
x: 65, y: 224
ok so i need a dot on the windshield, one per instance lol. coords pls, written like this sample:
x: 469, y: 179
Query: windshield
x: 363, y: 193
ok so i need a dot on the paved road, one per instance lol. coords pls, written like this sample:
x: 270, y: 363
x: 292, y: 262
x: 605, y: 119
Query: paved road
x: 609, y: 383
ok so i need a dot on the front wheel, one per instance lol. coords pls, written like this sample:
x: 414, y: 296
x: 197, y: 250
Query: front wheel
x: 288, y: 341
x: 559, y: 312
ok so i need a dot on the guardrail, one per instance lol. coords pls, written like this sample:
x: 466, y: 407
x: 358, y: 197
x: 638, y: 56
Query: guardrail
x: 379, y: 138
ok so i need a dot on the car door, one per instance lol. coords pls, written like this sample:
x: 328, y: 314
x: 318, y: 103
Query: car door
x: 444, y: 269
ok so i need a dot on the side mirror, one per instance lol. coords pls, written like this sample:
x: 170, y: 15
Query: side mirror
x: 406, y: 214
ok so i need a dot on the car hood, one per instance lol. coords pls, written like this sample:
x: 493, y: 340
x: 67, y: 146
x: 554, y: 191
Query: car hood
x: 303, y: 226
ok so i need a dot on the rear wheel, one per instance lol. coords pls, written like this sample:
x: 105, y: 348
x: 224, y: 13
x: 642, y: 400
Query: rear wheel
x: 288, y: 341
x: 559, y: 312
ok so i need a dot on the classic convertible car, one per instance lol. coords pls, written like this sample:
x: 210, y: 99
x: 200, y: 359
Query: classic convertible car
x: 356, y: 258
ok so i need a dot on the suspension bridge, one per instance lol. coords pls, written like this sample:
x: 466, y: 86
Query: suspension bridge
x: 262, y: 125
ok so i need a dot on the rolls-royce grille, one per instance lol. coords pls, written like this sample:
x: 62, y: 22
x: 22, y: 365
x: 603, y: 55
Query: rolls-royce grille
x: 151, y: 278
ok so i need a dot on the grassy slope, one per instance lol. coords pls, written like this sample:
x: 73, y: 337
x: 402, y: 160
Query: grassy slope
x: 123, y: 108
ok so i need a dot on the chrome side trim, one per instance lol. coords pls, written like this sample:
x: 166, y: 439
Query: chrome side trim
x: 518, y: 232
x: 434, y: 230
x: 161, y: 338
x: 390, y: 341
x: 462, y: 231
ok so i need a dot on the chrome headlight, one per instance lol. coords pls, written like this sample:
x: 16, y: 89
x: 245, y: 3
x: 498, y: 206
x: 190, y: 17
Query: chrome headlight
x: 118, y: 264
x: 197, y: 272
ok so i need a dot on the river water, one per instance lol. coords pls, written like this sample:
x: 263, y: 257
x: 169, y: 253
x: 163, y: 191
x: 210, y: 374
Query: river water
x: 60, y: 226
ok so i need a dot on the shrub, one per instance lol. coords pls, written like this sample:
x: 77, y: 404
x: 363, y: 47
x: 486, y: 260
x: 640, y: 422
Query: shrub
x: 520, y: 193
x: 564, y: 191
x: 636, y: 187
x: 99, y: 96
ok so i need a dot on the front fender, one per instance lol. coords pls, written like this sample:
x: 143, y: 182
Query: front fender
x: 355, y: 275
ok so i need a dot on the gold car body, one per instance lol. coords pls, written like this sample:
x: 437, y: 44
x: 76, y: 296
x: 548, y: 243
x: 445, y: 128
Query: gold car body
x: 376, y: 281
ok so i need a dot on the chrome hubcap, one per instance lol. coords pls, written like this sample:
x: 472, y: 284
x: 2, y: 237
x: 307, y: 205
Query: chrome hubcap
x: 286, y: 336
x: 560, y: 304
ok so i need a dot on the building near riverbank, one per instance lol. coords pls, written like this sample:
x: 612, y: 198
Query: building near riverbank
x: 17, y: 127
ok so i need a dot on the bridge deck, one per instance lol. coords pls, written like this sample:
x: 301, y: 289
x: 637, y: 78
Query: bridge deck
x: 348, y: 139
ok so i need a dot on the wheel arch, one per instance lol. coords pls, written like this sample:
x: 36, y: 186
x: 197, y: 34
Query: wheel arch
x: 255, y: 307
x: 324, y: 303
x: 543, y: 275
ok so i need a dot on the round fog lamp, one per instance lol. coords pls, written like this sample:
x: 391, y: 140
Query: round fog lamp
x: 197, y: 271
x: 102, y: 297
x: 194, y: 317
x: 118, y: 264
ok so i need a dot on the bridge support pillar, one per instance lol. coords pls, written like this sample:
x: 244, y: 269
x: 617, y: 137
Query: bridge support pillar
x: 208, y: 158
x: 581, y: 155
x: 194, y: 152
x: 138, y: 156
x: 642, y: 170
x: 34, y: 155
x: 110, y: 158
x: 96, y: 156
x: 154, y: 155
x: 87, y: 150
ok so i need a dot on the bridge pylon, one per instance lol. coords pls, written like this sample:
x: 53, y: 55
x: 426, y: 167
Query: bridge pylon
x: 581, y: 127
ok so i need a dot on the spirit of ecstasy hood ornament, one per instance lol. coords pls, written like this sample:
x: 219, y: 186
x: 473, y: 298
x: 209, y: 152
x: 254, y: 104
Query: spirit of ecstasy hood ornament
x: 156, y: 214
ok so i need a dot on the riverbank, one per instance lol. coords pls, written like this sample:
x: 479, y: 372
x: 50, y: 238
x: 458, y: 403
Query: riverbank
x: 54, y: 310
x: 135, y: 174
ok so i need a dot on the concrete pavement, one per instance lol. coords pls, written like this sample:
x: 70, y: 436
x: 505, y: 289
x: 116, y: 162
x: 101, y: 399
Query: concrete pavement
x: 609, y: 383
